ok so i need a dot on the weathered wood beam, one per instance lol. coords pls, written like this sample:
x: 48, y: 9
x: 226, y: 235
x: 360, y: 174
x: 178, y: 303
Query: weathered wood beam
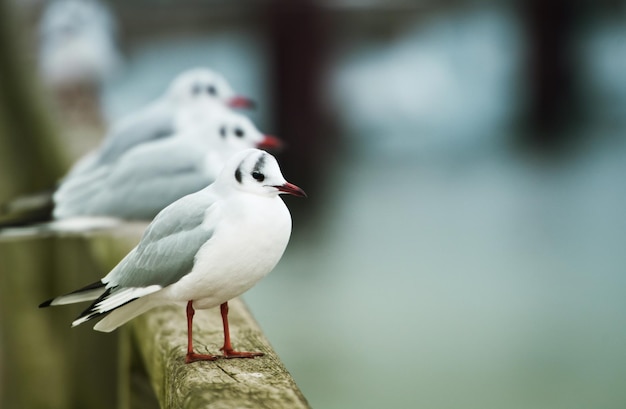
x: 43, y: 362
x: 263, y: 382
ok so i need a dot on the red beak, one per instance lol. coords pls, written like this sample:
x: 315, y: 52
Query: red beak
x: 241, y: 102
x: 291, y: 189
x: 270, y: 142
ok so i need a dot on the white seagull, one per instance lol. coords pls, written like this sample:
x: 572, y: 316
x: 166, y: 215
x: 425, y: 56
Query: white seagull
x: 202, y: 251
x: 157, y: 119
x: 77, y: 43
x: 152, y: 175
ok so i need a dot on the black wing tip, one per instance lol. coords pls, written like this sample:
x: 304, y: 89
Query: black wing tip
x: 92, y: 286
x: 46, y: 303
x: 86, y: 316
x: 90, y: 312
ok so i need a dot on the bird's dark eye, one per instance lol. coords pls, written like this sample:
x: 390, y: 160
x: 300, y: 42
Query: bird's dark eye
x: 258, y: 176
x: 239, y: 132
x: 196, y: 89
x: 223, y: 131
x: 211, y: 90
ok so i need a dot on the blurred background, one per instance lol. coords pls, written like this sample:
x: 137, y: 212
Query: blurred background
x: 463, y: 241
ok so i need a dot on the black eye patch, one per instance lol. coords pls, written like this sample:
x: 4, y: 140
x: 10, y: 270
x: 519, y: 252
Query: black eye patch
x: 239, y: 132
x: 196, y: 89
x: 211, y: 90
x: 223, y: 131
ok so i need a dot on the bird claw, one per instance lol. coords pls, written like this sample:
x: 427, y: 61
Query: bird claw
x: 193, y: 357
x: 229, y: 354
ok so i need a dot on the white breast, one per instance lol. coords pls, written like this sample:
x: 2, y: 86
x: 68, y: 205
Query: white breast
x: 250, y: 236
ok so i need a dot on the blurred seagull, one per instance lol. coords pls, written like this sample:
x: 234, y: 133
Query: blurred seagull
x: 202, y: 251
x: 157, y: 120
x: 77, y: 43
x: 152, y: 175
x: 142, y: 181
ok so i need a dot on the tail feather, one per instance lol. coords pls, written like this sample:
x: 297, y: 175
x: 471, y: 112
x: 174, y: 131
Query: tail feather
x: 114, y: 298
x: 27, y: 202
x: 73, y: 225
x: 26, y: 210
x: 124, y: 314
x: 87, y: 293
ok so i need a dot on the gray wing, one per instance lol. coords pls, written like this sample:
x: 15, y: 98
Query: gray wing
x: 168, y: 247
x: 156, y: 121
x: 165, y: 254
x: 139, y: 185
x: 153, y: 122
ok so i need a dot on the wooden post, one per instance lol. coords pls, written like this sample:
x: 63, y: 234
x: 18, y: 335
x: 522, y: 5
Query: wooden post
x: 69, y: 367
x: 29, y: 149
x: 45, y: 363
x: 160, y: 337
x: 552, y: 102
x: 299, y: 50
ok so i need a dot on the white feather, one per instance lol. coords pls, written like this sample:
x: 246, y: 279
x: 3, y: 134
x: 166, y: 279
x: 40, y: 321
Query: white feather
x: 124, y: 296
x: 117, y: 299
x: 79, y: 297
x: 124, y: 314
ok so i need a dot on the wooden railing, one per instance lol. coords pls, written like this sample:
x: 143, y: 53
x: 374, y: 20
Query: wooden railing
x: 139, y: 366
x: 262, y: 382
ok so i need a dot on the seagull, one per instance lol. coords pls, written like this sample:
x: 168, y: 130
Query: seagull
x: 201, y: 251
x: 152, y: 175
x: 157, y: 119
x: 77, y: 43
x: 196, y: 95
x: 144, y: 180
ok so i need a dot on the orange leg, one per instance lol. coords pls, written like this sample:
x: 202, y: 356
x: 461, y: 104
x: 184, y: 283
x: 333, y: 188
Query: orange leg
x: 192, y: 356
x: 228, y: 350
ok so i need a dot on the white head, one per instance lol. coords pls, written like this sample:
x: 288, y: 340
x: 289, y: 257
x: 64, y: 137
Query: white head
x: 237, y: 132
x: 204, y: 84
x: 257, y: 172
x: 224, y: 129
